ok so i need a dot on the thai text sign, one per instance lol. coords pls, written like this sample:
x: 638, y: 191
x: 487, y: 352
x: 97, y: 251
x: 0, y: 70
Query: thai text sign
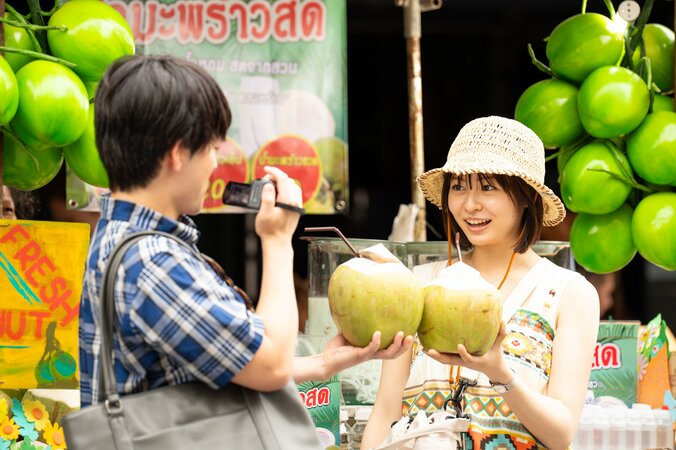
x: 322, y: 401
x: 283, y: 67
x: 41, y: 270
x: 614, y: 367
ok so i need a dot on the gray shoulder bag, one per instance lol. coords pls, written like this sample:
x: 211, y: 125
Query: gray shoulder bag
x: 187, y: 415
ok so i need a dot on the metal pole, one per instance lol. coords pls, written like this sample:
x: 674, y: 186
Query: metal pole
x: 412, y: 33
x: 2, y: 148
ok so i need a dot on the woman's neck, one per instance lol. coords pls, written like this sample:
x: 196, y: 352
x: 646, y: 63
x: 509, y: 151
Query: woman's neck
x: 492, y: 263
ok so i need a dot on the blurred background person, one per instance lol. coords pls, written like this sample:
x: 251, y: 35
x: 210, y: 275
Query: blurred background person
x: 18, y: 204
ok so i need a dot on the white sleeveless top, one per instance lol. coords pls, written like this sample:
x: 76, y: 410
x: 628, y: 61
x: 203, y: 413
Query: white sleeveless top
x: 530, y: 313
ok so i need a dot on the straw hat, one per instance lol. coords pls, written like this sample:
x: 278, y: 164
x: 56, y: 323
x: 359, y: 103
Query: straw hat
x: 496, y: 145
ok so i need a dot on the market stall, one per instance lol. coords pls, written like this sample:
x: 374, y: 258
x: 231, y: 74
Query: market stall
x: 604, y: 110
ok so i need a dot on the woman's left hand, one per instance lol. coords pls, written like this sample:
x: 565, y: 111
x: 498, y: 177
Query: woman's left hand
x: 491, y: 363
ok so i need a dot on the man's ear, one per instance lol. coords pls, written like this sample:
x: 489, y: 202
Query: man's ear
x: 176, y: 157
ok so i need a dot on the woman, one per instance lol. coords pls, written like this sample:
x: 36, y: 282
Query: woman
x: 17, y: 204
x: 531, y: 384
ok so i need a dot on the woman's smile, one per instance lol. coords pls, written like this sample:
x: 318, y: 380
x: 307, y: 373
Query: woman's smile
x: 477, y: 225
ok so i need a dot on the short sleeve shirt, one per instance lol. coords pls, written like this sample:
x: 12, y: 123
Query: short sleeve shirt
x: 176, y: 320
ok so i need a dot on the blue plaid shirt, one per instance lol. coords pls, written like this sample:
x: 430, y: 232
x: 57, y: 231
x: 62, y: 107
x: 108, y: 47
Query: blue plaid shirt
x: 177, y: 321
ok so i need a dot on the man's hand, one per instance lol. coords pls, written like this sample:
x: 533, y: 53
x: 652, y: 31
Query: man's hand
x: 339, y: 355
x: 273, y: 222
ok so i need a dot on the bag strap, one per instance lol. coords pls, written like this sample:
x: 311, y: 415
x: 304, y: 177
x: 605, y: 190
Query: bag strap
x: 263, y: 410
x: 107, y: 382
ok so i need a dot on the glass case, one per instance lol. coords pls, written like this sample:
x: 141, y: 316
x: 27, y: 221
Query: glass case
x: 359, y: 384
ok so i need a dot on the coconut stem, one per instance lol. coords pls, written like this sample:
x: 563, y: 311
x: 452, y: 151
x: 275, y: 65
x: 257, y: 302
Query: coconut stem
x: 29, y: 26
x: 542, y: 67
x: 37, y: 55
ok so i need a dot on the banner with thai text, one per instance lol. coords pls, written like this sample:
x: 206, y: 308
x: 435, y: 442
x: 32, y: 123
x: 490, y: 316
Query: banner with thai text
x: 41, y: 270
x: 283, y: 67
x: 614, y: 375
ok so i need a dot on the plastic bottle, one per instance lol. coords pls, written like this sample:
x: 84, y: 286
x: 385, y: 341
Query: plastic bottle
x: 665, y: 431
x: 361, y: 416
x: 584, y: 438
x: 633, y: 435
x: 648, y: 425
x: 601, y: 431
x: 618, y: 427
x: 344, y: 430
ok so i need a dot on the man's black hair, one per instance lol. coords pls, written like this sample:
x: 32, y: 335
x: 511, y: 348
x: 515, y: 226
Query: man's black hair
x: 145, y: 105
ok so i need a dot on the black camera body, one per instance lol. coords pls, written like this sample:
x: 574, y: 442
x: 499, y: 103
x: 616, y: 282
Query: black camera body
x: 249, y: 195
x: 244, y: 194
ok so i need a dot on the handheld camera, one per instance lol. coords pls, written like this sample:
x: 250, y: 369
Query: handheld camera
x: 249, y: 195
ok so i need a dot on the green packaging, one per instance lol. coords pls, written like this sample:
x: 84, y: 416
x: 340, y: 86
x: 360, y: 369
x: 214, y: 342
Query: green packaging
x: 614, y: 372
x: 322, y: 400
x: 653, y: 337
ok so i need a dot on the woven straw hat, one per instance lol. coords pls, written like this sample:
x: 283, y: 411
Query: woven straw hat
x: 496, y: 145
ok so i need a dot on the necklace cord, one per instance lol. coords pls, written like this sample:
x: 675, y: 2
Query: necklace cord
x: 511, y: 259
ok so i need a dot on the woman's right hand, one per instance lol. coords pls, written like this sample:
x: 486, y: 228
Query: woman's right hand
x: 492, y: 363
x: 271, y: 221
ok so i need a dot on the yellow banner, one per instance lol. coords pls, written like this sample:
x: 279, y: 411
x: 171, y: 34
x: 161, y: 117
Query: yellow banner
x: 41, y: 272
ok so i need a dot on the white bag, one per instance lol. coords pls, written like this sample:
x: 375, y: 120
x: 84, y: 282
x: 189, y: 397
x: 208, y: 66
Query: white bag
x: 441, y: 430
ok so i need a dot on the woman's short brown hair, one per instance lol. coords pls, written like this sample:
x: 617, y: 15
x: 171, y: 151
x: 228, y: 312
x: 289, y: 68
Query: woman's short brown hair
x: 522, y: 195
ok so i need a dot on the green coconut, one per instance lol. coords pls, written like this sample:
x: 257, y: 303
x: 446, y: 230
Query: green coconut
x: 375, y: 293
x: 460, y: 308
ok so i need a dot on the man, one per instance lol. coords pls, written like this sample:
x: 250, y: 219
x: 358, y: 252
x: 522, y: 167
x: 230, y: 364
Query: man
x: 159, y: 121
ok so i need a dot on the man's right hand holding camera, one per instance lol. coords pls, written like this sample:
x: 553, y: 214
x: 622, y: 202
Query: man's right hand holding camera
x: 271, y: 366
x: 270, y: 220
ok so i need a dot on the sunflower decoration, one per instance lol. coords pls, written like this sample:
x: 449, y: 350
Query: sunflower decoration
x: 9, y: 430
x: 26, y: 428
x: 53, y: 436
x: 35, y: 412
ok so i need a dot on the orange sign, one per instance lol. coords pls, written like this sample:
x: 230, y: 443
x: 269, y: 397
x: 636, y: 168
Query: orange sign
x: 41, y: 270
x: 295, y: 156
x: 233, y: 165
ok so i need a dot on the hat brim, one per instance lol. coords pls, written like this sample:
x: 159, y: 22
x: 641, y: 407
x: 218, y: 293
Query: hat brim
x: 432, y: 181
